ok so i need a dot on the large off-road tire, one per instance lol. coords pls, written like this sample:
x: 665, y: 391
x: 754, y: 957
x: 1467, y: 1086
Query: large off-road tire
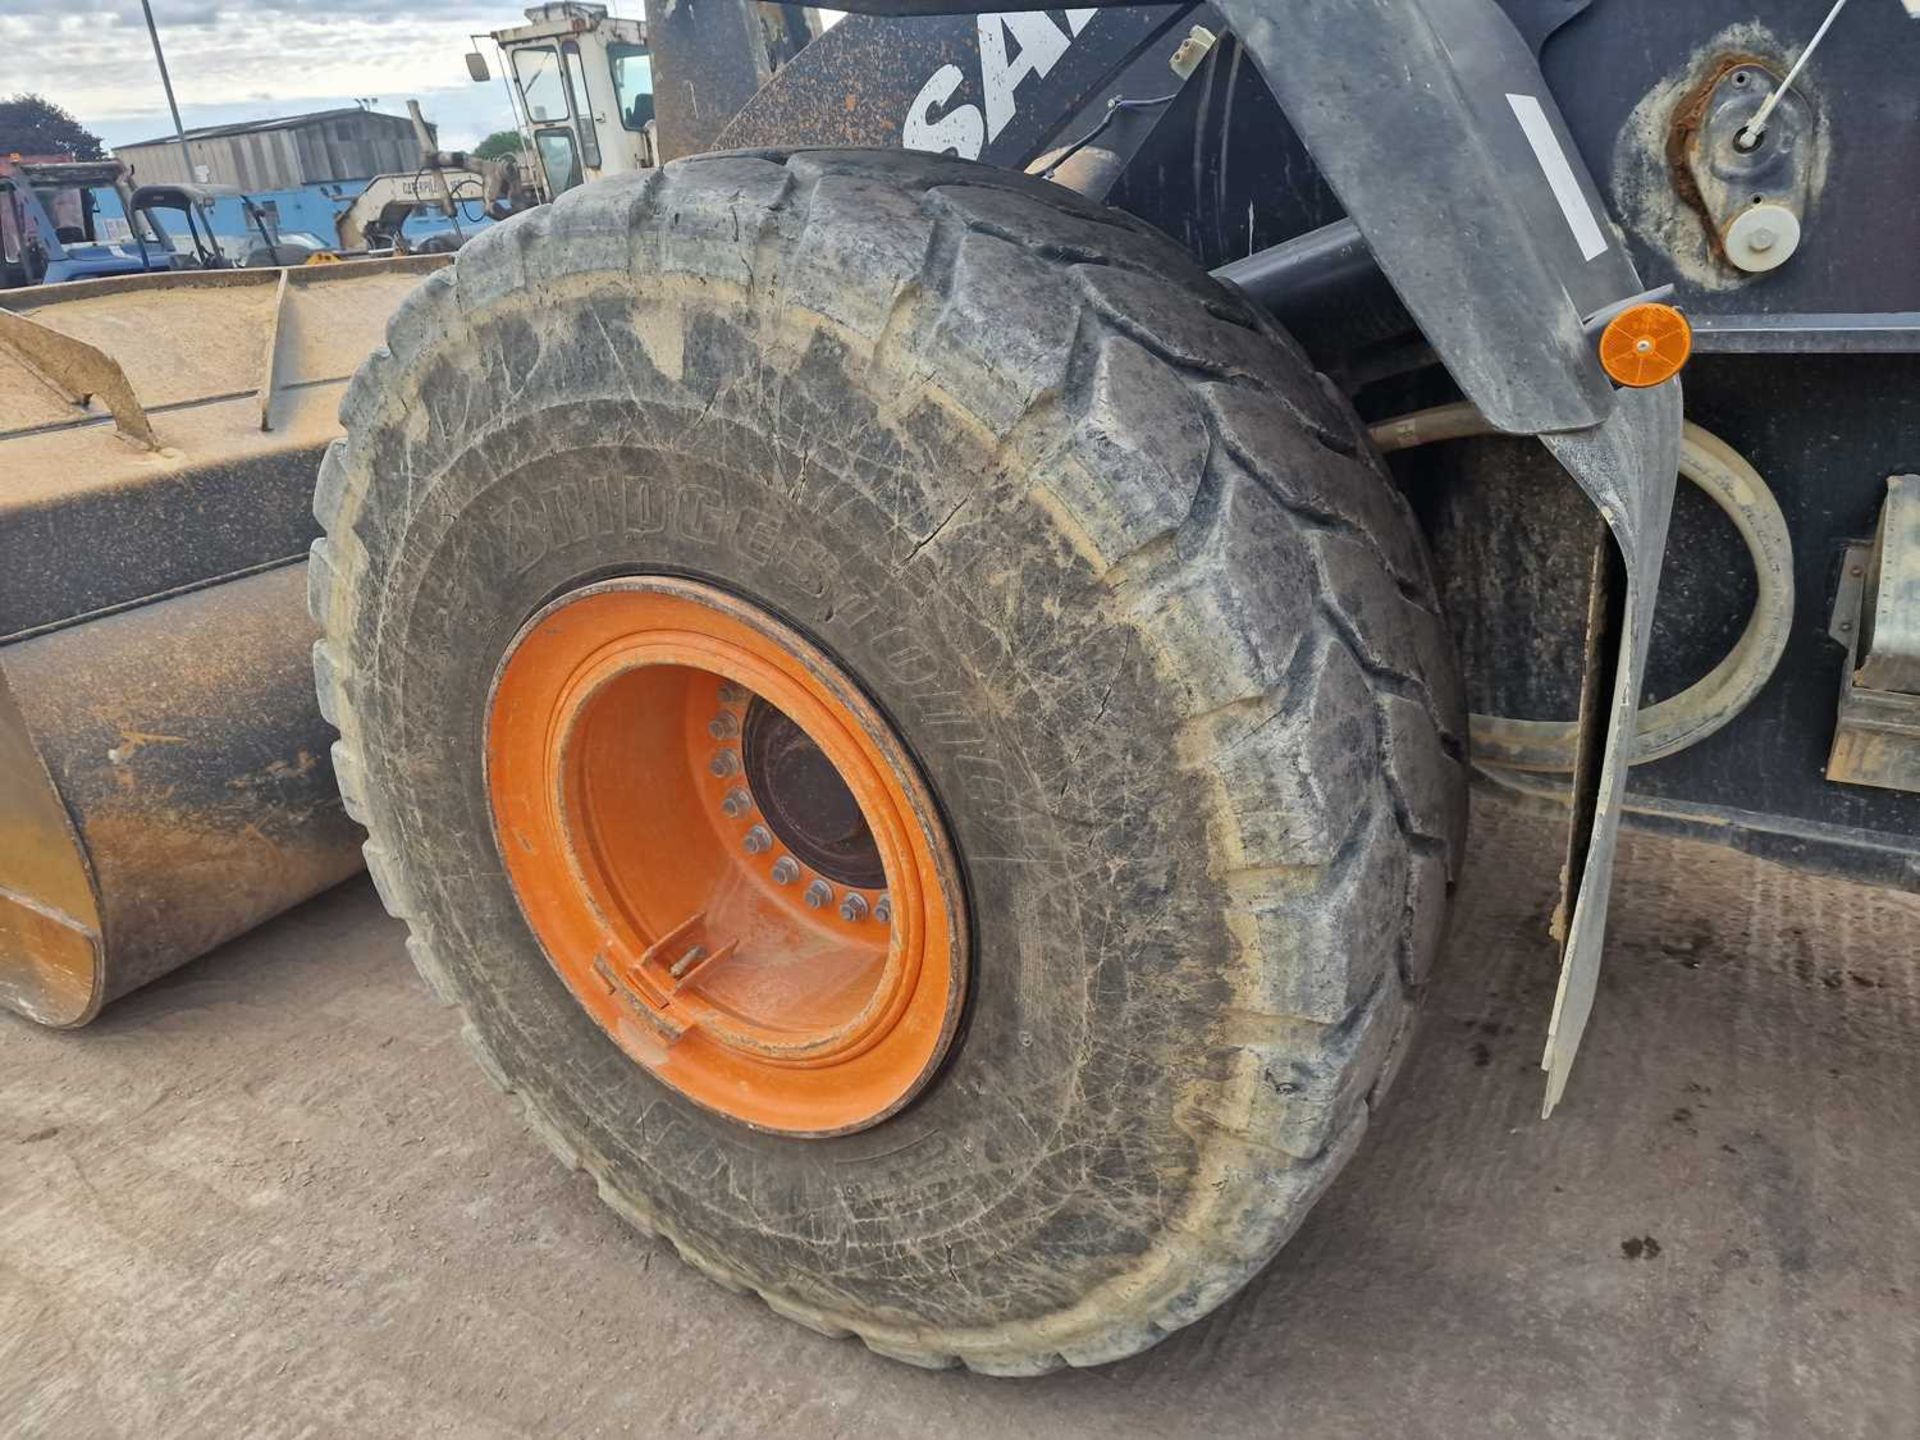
x: 1127, y: 580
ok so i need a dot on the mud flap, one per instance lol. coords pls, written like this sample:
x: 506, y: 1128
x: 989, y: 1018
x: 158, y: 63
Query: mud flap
x: 1627, y: 465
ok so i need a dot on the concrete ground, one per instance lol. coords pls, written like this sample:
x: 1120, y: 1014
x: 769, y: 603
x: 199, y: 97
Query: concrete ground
x: 272, y: 1195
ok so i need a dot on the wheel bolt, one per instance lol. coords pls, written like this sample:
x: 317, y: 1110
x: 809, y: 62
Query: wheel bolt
x: 853, y: 908
x: 724, y: 726
x: 883, y: 910
x: 737, y: 803
x: 732, y: 694
x: 758, y: 840
x: 724, y: 763
x: 786, y: 870
x: 818, y: 894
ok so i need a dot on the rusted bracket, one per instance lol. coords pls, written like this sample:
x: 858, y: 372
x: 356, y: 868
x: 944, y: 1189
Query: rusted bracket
x: 1753, y: 200
x: 78, y: 371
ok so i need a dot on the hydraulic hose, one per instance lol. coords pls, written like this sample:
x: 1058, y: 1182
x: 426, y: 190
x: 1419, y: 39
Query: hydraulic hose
x: 1723, y: 692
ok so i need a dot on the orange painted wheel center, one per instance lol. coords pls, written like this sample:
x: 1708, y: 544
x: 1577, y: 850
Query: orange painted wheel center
x: 726, y: 854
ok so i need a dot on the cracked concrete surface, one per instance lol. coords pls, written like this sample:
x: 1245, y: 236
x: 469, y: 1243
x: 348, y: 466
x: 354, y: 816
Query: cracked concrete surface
x: 273, y: 1195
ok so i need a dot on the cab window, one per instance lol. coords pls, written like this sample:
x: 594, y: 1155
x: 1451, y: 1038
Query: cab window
x: 558, y: 158
x: 543, y: 88
x: 632, y: 84
x: 582, y: 105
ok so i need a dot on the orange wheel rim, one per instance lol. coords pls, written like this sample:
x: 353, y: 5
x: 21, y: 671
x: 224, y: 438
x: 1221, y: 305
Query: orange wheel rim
x: 726, y: 854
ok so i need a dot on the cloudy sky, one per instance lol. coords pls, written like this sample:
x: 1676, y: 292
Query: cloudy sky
x: 247, y: 59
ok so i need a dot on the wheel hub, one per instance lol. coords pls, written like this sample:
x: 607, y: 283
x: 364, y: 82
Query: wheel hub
x: 806, y: 803
x: 726, y: 854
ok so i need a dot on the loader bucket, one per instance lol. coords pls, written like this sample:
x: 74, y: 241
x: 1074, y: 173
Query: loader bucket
x: 164, y: 773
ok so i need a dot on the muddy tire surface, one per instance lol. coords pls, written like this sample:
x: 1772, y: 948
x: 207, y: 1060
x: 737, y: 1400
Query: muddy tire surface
x: 1125, y: 576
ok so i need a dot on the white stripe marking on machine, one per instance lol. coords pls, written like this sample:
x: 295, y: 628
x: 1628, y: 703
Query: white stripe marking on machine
x: 1560, y: 177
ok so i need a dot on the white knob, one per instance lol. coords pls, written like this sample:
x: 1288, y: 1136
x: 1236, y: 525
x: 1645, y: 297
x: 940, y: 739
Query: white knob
x: 1762, y: 237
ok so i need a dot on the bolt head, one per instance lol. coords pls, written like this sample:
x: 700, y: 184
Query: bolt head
x: 883, y: 910
x: 758, y: 840
x: 853, y: 908
x: 724, y: 763
x: 736, y: 803
x: 724, y: 726
x: 732, y: 694
x: 786, y: 870
x: 1762, y: 239
x: 818, y: 894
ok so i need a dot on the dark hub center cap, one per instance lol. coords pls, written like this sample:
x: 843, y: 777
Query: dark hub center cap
x: 805, y: 801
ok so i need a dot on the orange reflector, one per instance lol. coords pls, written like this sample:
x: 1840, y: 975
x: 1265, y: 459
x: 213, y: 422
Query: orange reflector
x: 1645, y: 345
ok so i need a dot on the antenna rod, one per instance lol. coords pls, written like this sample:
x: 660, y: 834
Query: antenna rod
x: 166, y: 83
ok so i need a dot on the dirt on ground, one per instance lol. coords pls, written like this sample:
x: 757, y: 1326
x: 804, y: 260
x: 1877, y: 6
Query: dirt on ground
x: 272, y: 1195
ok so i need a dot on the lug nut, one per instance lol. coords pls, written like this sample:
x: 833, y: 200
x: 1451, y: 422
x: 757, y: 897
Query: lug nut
x: 724, y: 763
x: 853, y: 908
x: 786, y: 870
x: 883, y: 910
x: 724, y: 726
x: 758, y: 840
x: 732, y: 694
x: 736, y: 803
x: 818, y: 894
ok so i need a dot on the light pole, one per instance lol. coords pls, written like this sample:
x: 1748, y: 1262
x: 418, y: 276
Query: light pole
x: 166, y: 83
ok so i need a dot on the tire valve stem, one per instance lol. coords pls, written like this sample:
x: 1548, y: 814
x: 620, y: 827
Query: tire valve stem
x: 786, y: 870
x: 818, y: 894
x: 687, y: 961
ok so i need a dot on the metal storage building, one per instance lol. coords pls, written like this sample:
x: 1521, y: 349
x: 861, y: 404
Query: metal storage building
x: 284, y: 154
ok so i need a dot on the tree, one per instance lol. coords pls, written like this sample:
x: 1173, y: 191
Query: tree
x: 499, y: 145
x: 34, y: 125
